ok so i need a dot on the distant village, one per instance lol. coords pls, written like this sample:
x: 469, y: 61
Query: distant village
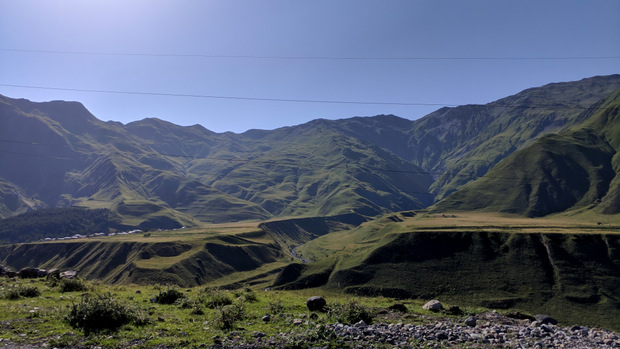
x: 81, y: 236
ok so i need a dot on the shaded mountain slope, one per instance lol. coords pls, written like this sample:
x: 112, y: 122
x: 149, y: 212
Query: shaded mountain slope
x: 574, y: 169
x: 549, y: 266
x: 57, y: 154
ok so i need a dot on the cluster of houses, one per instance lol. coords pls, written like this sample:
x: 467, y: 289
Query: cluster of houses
x: 31, y: 273
x: 80, y: 236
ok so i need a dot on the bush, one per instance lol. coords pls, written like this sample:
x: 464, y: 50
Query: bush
x: 247, y: 294
x: 215, y: 298
x: 103, y: 312
x: 226, y: 316
x: 351, y: 312
x: 275, y: 307
x: 169, y: 295
x: 18, y: 292
x: 29, y: 291
x: 71, y: 285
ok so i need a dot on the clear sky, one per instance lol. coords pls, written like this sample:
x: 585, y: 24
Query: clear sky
x: 262, y: 55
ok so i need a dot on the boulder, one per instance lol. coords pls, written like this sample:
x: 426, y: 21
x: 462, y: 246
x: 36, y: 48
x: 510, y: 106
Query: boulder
x: 316, y: 303
x: 53, y: 273
x: 69, y: 274
x: 28, y: 273
x: 546, y: 319
x: 470, y: 321
x: 433, y: 305
x: 399, y: 307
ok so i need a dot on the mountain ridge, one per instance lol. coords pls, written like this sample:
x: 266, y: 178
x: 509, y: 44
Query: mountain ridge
x: 59, y: 154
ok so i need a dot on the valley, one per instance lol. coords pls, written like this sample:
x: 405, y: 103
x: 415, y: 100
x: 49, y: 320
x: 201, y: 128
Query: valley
x: 511, y: 206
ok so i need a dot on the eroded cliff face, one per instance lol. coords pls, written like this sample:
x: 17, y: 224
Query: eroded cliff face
x: 573, y: 276
x: 176, y: 262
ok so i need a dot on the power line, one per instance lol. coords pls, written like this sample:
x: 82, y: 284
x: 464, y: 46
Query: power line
x: 288, y: 100
x: 333, y: 58
x: 164, y: 94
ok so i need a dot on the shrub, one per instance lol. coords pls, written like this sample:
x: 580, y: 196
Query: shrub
x: 247, y: 294
x: 93, y: 314
x: 71, y: 285
x: 22, y: 291
x: 169, y: 295
x: 351, y: 312
x: 29, y: 291
x: 275, y: 307
x: 215, y: 298
x: 226, y: 316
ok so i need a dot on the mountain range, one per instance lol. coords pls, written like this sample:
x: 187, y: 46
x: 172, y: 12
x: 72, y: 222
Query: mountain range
x: 544, y: 150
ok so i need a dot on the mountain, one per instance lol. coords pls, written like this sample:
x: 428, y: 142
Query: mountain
x: 575, y: 169
x: 57, y: 154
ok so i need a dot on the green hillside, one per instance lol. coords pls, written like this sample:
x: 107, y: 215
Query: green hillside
x: 575, y: 169
x: 57, y: 154
x: 569, y: 268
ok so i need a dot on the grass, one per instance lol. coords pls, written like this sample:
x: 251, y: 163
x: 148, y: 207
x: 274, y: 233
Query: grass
x: 49, y: 319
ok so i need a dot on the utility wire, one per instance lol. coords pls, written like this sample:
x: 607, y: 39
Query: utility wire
x: 333, y: 58
x: 289, y: 100
x: 164, y: 94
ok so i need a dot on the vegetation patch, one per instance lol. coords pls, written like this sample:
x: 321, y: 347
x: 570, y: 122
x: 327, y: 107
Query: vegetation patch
x: 103, y: 312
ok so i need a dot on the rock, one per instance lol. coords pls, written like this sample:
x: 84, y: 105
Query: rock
x: 454, y: 310
x: 470, y: 321
x: 53, y: 273
x: 266, y: 318
x: 297, y: 322
x: 433, y: 305
x: 316, y: 303
x: 69, y: 274
x: 399, y: 307
x: 28, y: 273
x: 138, y: 292
x: 42, y: 273
x: 546, y: 319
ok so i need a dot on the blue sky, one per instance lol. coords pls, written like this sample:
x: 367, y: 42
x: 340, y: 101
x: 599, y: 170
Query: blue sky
x: 431, y: 53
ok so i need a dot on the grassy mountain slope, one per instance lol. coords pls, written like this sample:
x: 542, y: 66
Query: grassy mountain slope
x: 571, y: 170
x: 562, y: 267
x: 57, y: 154
x: 465, y: 142
x: 190, y: 258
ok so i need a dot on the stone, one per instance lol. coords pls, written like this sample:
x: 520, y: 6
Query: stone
x: 399, y: 307
x: 546, y: 319
x: 454, y: 310
x: 28, y: 273
x: 433, y: 305
x: 316, y: 303
x: 53, y: 273
x: 266, y: 318
x: 360, y: 324
x: 69, y: 274
x: 470, y: 321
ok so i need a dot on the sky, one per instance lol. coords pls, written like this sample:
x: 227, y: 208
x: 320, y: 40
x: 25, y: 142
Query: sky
x: 236, y: 65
